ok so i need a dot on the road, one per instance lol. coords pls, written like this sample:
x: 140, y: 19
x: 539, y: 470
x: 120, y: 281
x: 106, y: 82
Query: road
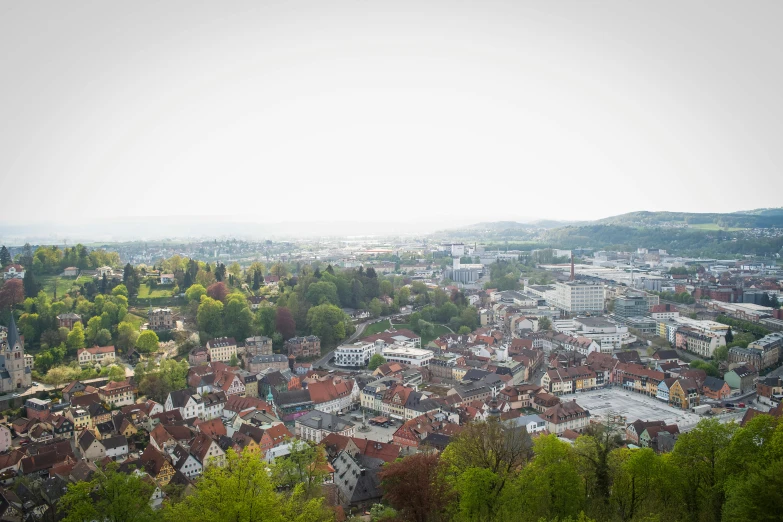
x: 323, y: 362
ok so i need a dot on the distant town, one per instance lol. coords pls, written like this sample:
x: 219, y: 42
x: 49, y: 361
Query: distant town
x: 347, y: 367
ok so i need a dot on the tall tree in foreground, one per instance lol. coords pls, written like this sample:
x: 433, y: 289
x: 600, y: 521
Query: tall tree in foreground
x: 415, y: 487
x: 109, y: 496
x: 243, y: 491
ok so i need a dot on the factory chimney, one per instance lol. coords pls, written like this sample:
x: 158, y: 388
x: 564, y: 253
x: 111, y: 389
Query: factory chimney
x: 572, y: 266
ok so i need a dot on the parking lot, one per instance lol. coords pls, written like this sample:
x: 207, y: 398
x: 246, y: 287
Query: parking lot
x: 633, y: 406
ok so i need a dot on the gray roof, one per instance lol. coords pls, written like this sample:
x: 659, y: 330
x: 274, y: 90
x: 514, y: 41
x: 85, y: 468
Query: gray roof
x: 525, y: 420
x: 323, y: 421
x: 13, y: 333
x: 357, y: 477
x: 117, y: 441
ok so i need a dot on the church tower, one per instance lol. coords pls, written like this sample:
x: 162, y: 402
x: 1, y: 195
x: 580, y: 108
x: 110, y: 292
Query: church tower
x: 14, y: 374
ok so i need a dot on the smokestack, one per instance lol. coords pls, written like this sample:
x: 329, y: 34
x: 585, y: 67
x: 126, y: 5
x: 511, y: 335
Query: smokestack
x: 572, y: 265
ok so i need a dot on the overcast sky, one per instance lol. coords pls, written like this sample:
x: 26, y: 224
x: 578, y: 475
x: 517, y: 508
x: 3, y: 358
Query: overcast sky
x: 365, y: 110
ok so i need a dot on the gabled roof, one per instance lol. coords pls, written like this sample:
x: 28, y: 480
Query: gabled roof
x: 213, y: 428
x: 713, y: 383
x: 199, y: 447
x: 152, y: 460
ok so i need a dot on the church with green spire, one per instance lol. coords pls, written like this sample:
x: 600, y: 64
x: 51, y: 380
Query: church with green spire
x: 13, y: 373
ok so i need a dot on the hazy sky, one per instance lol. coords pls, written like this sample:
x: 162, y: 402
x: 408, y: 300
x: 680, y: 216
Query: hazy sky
x: 431, y: 111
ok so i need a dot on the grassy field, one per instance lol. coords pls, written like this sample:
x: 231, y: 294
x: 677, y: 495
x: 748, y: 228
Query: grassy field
x: 715, y: 227
x: 64, y: 284
x: 438, y: 330
x: 136, y: 320
x: 161, y: 291
x: 373, y: 329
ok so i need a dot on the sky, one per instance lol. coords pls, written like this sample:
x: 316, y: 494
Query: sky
x: 406, y: 111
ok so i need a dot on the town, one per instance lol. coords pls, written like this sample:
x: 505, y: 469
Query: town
x: 330, y: 362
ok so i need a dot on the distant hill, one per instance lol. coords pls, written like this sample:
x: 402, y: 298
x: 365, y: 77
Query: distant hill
x: 759, y: 218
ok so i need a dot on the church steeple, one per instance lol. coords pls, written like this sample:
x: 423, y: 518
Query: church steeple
x: 13, y: 333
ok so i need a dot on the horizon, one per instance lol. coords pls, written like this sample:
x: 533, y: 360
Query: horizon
x: 148, y: 228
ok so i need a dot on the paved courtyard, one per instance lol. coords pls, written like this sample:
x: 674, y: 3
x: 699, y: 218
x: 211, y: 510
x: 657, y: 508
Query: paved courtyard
x: 633, y: 406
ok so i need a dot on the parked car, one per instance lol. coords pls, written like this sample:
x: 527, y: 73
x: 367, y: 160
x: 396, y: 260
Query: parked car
x: 729, y: 405
x: 741, y: 405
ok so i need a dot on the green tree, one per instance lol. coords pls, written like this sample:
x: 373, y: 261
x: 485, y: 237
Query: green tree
x: 323, y: 292
x: 210, y: 316
x: 544, y: 324
x: 244, y: 491
x: 700, y: 454
x: 31, y: 286
x: 126, y: 335
x: 5, y: 257
x: 328, y: 323
x: 238, y: 319
x: 593, y: 449
x: 550, y: 487
x: 194, y: 293
x: 120, y: 290
x: 375, y: 361
x: 75, y: 338
x: 109, y: 496
x: 147, y: 342
x: 103, y: 338
x: 375, y: 308
x: 116, y: 373
x: 265, y: 320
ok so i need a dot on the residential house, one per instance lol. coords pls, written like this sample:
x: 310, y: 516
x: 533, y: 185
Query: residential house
x: 222, y: 349
x: 67, y: 320
x: 684, y: 393
x: 302, y: 347
x: 198, y: 356
x: 333, y: 395
x: 207, y: 451
x: 89, y: 446
x: 316, y: 425
x: 635, y: 429
x: 566, y: 416
x: 103, y: 355
x: 715, y: 388
x: 742, y: 378
x: 559, y: 381
x: 259, y: 363
x: 519, y: 396
x: 157, y: 465
x: 118, y: 394
x: 160, y: 319
x: 184, y: 462
x: 531, y: 423
x: 167, y: 279
x: 189, y: 403
x: 13, y: 272
x: 116, y: 446
x: 649, y: 437
x: 258, y: 345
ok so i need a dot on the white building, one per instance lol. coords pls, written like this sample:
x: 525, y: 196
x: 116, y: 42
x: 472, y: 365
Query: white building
x: 575, y: 297
x: 407, y: 355
x: 356, y: 354
x: 103, y: 355
x: 222, y: 349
